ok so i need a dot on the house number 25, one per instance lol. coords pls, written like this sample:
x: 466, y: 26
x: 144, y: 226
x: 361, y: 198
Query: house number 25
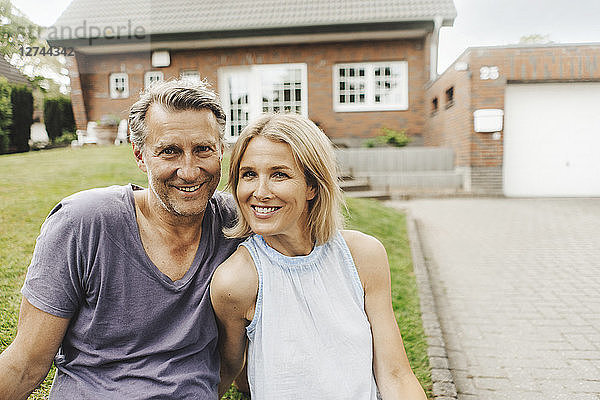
x: 486, y: 73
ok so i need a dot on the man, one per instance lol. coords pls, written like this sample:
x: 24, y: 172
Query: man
x: 118, y: 282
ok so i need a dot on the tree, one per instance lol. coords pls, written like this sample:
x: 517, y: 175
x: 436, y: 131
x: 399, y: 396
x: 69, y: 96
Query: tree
x: 17, y: 33
x: 535, y: 38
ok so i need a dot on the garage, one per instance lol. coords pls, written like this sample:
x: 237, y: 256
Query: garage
x: 552, y: 140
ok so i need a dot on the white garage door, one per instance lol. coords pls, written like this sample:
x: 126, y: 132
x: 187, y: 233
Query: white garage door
x: 552, y: 139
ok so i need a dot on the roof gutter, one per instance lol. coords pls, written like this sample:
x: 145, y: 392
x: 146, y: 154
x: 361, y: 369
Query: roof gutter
x: 435, y: 41
x: 244, y: 38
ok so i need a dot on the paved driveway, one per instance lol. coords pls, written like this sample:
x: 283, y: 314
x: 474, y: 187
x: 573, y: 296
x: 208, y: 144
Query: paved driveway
x: 517, y: 286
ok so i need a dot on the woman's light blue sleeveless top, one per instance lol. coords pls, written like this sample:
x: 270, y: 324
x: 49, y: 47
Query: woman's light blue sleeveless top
x: 310, y: 337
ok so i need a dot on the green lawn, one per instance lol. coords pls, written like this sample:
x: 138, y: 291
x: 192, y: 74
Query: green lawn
x: 32, y: 183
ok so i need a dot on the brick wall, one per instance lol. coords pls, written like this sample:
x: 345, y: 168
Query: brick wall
x: 94, y: 74
x: 451, y: 125
x: 77, y: 99
x: 454, y: 127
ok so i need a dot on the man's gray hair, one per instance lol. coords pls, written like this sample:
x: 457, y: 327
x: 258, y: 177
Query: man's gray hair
x: 173, y: 95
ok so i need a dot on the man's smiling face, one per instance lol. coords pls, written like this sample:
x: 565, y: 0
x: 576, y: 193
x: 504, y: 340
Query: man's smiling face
x: 182, y: 158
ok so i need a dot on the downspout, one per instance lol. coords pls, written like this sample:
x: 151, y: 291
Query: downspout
x: 433, y: 48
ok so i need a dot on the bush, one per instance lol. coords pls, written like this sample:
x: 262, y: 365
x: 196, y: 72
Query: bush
x: 68, y: 117
x: 389, y: 137
x: 5, y: 114
x: 66, y: 138
x: 22, y: 110
x: 53, y: 118
x: 58, y: 117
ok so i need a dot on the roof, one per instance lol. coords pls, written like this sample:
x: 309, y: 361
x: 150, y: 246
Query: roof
x: 11, y: 73
x: 182, y: 16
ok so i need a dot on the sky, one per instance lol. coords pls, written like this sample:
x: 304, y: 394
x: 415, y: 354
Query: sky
x: 479, y: 22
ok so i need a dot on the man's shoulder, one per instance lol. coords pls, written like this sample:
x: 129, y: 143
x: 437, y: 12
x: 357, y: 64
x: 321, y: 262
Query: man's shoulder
x: 91, y: 203
x: 224, y: 206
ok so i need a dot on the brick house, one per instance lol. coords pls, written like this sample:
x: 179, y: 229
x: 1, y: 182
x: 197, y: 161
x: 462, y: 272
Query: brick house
x: 353, y: 66
x: 523, y: 121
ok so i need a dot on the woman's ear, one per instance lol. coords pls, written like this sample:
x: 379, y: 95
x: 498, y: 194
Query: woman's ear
x: 311, y: 193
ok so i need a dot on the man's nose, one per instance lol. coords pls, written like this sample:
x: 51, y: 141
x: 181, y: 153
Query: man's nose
x: 189, y: 170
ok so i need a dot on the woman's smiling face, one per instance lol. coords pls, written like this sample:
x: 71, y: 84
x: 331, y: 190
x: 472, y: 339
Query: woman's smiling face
x: 272, y: 190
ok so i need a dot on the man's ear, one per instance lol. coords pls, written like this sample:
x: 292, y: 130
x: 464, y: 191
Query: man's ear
x: 139, y: 158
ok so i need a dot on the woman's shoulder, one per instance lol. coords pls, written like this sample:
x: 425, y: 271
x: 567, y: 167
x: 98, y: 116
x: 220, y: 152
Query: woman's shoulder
x: 361, y: 243
x: 369, y: 256
x: 236, y: 279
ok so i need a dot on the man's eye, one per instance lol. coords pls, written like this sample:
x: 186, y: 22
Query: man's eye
x: 168, y: 151
x: 204, y: 149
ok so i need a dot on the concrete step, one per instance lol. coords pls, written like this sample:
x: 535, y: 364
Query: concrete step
x: 414, y: 180
x: 369, y: 194
x: 355, y: 185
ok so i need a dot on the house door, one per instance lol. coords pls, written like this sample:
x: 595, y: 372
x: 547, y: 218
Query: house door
x: 552, y: 140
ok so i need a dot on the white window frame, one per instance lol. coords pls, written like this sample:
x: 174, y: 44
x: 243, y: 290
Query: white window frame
x: 191, y: 74
x: 370, y: 89
x: 113, y: 84
x: 153, y: 76
x: 255, y: 89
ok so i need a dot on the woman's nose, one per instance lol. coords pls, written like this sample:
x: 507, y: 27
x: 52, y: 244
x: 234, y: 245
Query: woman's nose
x: 262, y: 190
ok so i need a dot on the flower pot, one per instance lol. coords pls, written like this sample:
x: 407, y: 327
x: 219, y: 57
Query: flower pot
x: 106, y: 134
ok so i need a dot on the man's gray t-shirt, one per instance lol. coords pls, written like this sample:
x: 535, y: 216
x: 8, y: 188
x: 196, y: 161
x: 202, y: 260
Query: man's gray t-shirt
x: 134, y: 333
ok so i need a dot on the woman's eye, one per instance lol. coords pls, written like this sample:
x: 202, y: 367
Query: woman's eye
x: 248, y: 174
x: 280, y: 175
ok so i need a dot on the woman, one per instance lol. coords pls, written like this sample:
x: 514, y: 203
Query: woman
x: 313, y: 301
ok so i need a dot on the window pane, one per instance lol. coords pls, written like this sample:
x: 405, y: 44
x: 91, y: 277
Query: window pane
x: 387, y: 87
x: 281, y: 86
x: 237, y: 84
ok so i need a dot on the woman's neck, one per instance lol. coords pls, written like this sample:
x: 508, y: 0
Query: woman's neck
x: 291, y: 246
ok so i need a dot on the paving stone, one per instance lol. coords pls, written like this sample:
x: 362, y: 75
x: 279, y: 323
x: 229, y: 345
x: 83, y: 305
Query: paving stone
x: 444, y: 389
x: 516, y: 294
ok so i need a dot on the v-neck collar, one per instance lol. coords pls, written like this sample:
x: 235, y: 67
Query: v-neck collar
x: 145, y: 260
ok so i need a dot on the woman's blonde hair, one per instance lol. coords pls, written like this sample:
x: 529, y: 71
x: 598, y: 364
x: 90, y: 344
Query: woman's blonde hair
x: 313, y: 153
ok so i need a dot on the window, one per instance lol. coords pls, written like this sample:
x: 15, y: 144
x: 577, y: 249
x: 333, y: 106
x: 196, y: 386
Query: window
x: 119, y: 85
x: 248, y: 91
x: 434, y: 105
x: 152, y: 76
x: 191, y: 75
x: 450, y: 97
x: 370, y: 86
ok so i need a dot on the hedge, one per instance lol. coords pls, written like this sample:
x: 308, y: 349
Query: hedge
x: 58, y: 116
x: 5, y: 115
x: 22, y: 117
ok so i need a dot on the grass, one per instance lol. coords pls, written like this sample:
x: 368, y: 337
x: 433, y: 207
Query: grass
x: 32, y: 183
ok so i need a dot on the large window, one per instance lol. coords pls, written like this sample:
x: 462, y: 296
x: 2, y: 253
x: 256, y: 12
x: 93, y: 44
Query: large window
x: 248, y: 91
x: 376, y: 86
